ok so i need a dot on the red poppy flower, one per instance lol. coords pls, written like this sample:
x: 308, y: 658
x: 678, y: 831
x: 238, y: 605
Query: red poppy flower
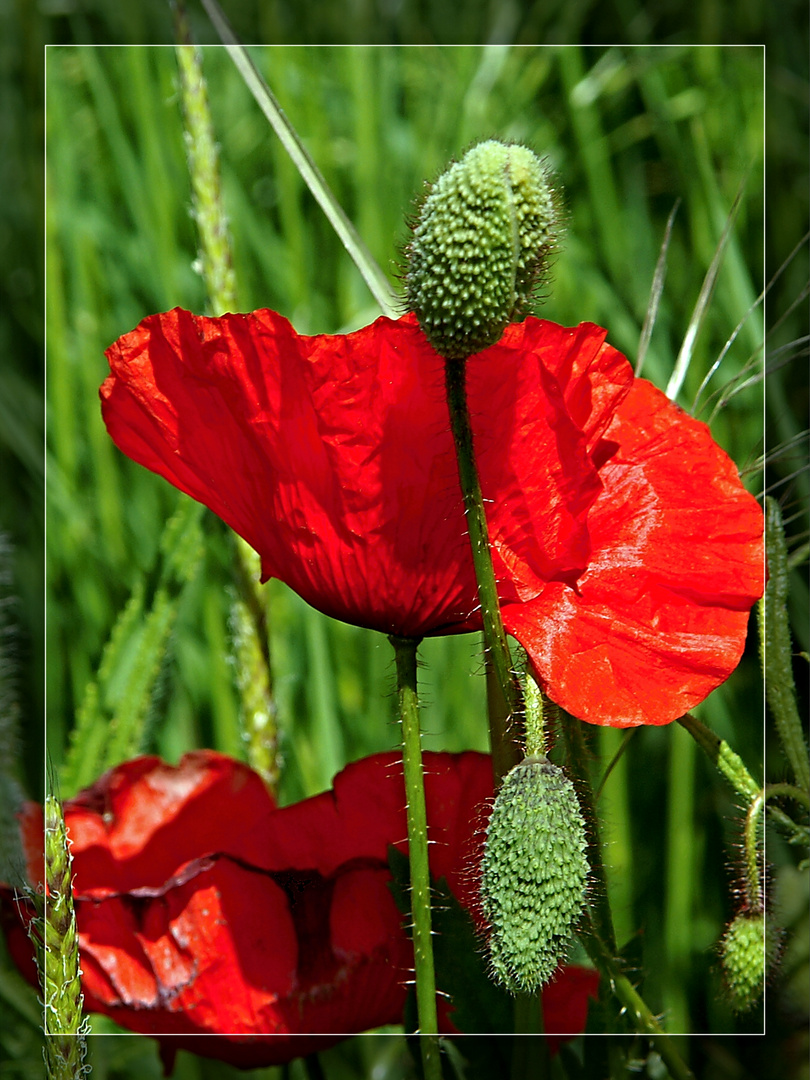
x: 627, y: 552
x: 255, y: 934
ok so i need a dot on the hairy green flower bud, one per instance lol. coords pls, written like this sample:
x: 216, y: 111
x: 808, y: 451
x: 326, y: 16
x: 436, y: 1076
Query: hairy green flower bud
x: 481, y: 241
x: 534, y: 873
x: 745, y: 957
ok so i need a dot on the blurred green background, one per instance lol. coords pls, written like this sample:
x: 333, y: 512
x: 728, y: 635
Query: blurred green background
x: 628, y: 132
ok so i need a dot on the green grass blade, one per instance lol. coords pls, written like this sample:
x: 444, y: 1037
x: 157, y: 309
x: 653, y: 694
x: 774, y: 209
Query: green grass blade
x: 684, y: 359
x: 311, y: 174
x: 655, y: 291
x: 112, y: 718
x: 777, y: 650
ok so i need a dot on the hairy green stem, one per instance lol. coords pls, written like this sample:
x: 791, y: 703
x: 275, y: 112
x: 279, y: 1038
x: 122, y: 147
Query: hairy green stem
x: 634, y: 1006
x: 405, y: 650
x: 505, y: 753
x: 734, y: 770
x: 601, y: 913
x: 788, y: 791
x: 730, y: 764
x: 614, y: 761
x: 777, y: 649
x: 753, y: 878
x: 534, y: 719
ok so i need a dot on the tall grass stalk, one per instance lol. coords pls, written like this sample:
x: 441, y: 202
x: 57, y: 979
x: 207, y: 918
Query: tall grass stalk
x: 248, y: 619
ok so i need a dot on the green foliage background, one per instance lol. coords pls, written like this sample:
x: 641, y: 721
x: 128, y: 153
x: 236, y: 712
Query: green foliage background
x: 628, y: 131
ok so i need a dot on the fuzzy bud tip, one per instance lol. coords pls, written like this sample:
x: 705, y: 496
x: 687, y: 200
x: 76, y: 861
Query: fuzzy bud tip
x: 479, y: 247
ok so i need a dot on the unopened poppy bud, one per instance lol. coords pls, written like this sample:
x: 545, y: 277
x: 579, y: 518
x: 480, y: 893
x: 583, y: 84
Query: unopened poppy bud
x: 534, y: 873
x: 480, y: 243
x: 745, y: 957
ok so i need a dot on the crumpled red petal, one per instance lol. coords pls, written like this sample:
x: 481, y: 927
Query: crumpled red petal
x: 332, y: 456
x: 250, y: 933
x: 659, y: 617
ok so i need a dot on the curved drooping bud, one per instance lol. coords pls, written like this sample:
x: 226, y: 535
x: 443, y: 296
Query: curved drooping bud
x: 534, y: 873
x: 479, y: 247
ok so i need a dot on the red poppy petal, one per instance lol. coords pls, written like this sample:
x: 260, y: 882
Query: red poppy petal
x: 565, y: 1003
x: 659, y: 618
x: 237, y: 951
x: 367, y: 890
x: 332, y: 455
x: 291, y: 441
x: 533, y: 455
x: 215, y: 953
x: 141, y: 822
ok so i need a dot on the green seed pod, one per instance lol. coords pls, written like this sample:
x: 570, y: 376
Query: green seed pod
x: 745, y: 958
x: 534, y: 873
x: 481, y: 241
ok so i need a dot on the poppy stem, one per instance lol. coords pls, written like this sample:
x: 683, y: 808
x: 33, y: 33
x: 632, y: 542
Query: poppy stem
x: 601, y: 913
x: 530, y: 1051
x: 535, y: 719
x: 734, y: 770
x: 729, y: 764
x: 635, y: 1008
x: 505, y: 750
x: 405, y: 651
x: 754, y: 892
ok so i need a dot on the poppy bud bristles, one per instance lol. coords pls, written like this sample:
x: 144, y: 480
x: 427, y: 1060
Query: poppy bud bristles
x: 748, y: 950
x: 534, y: 874
x: 480, y: 246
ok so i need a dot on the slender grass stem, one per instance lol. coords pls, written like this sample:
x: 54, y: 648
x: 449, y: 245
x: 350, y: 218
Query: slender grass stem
x: 614, y: 761
x: 248, y: 616
x: 655, y: 291
x: 684, y: 359
x: 777, y: 650
x: 680, y: 877
x: 405, y: 651
x: 505, y: 753
x: 373, y: 276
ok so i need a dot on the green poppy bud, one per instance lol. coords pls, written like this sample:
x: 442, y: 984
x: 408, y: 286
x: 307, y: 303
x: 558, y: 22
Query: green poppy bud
x: 481, y: 241
x: 745, y: 957
x: 534, y: 873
